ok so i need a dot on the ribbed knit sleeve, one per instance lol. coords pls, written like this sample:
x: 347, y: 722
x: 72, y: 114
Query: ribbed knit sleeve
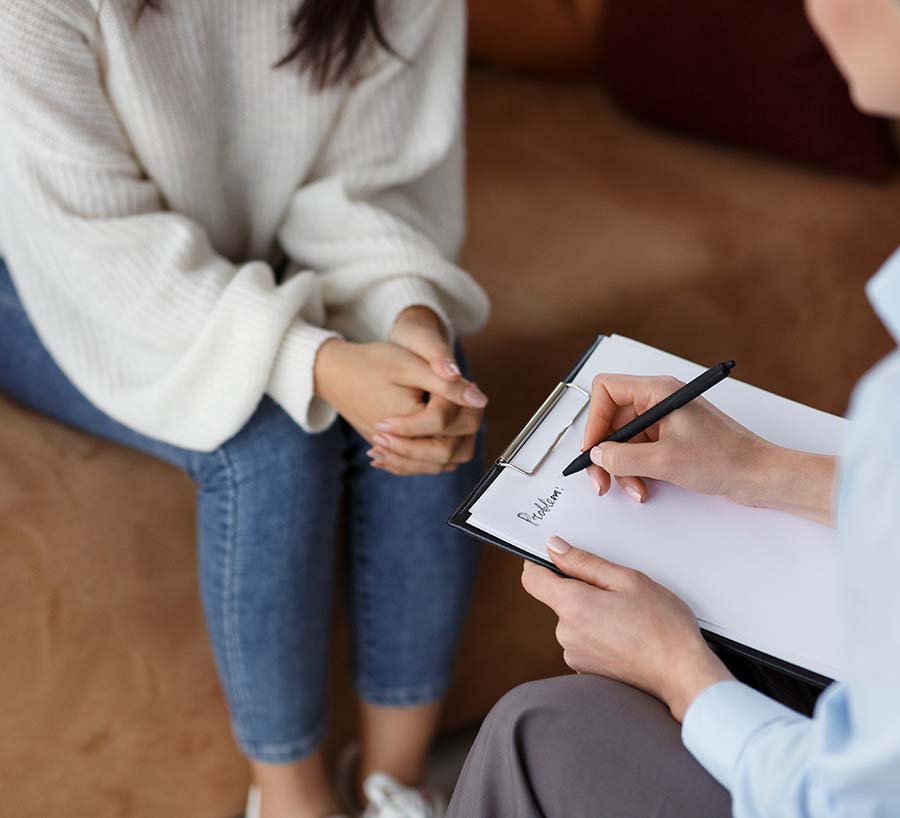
x: 153, y: 326
x: 383, y: 216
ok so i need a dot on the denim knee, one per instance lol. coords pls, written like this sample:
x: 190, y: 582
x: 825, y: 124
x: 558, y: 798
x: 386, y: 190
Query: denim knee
x: 270, y: 442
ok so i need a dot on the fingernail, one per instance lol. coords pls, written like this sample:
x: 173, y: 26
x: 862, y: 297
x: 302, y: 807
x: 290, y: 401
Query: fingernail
x: 597, y: 456
x: 382, y: 441
x: 635, y: 494
x: 475, y: 397
x: 451, y: 369
x: 384, y: 426
x: 597, y: 487
x: 558, y: 545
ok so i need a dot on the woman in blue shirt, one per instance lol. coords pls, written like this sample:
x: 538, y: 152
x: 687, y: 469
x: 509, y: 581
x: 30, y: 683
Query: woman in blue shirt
x: 602, y: 747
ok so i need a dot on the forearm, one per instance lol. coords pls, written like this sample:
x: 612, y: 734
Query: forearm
x: 797, y: 482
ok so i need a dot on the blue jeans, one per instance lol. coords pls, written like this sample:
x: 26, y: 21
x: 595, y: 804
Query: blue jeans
x: 269, y: 508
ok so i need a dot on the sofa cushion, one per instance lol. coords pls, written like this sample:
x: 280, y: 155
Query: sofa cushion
x: 750, y: 72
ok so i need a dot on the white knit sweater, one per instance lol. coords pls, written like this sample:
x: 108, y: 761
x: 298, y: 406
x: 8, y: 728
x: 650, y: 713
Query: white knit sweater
x: 154, y: 174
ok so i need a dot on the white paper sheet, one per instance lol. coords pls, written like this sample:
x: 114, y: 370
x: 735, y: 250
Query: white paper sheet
x: 763, y: 578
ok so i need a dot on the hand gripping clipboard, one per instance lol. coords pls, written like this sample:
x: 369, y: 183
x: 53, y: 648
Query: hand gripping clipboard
x: 517, y: 456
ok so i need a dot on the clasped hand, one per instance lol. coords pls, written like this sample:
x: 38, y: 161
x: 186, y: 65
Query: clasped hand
x: 405, y: 396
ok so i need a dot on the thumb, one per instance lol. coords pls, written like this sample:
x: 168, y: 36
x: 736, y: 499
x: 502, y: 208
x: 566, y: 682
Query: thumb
x: 431, y: 345
x: 629, y: 459
x: 582, y: 565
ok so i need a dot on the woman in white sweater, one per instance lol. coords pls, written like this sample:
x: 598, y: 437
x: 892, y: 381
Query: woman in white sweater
x: 228, y: 231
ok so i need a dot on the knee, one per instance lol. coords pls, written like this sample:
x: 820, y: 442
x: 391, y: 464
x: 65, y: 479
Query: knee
x: 529, y: 697
x: 270, y: 450
x: 543, y: 702
x: 561, y: 693
x: 530, y: 712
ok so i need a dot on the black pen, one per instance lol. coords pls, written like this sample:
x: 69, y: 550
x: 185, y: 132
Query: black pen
x: 656, y: 413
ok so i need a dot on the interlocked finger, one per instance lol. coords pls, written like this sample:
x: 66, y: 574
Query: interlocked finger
x: 404, y: 466
x: 442, y: 450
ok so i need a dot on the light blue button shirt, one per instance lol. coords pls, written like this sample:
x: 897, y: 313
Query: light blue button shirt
x: 845, y: 761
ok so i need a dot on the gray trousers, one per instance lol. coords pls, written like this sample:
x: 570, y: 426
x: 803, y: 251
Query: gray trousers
x: 583, y: 747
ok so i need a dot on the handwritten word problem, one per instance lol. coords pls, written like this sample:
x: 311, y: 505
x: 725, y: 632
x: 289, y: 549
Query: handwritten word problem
x: 542, y: 508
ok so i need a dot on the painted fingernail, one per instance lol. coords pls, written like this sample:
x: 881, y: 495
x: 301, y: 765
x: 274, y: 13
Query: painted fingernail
x: 475, y: 397
x: 451, y: 369
x: 382, y: 441
x: 558, y: 545
x: 635, y: 494
x: 384, y: 426
x: 597, y: 487
x: 597, y: 456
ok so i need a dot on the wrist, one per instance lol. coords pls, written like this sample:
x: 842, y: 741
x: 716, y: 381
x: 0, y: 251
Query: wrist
x: 696, y: 669
x: 422, y: 317
x: 788, y: 480
x: 329, y: 366
x: 761, y: 474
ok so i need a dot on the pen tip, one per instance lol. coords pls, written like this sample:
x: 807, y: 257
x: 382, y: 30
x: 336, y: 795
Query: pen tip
x: 729, y: 365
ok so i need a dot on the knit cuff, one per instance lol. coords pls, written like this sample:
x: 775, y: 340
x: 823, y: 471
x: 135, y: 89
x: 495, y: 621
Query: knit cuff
x: 292, y: 382
x: 371, y: 316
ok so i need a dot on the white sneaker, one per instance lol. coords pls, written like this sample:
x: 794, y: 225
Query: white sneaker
x: 254, y: 800
x: 390, y: 799
x: 387, y: 797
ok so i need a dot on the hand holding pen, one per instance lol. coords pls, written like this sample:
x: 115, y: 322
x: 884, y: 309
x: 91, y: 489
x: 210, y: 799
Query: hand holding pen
x: 662, y: 443
x: 699, y: 448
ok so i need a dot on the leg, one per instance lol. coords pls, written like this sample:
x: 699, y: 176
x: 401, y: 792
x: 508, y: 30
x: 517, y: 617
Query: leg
x: 267, y: 513
x: 583, y: 747
x: 396, y: 740
x: 29, y: 375
x: 268, y: 504
x: 301, y: 789
x: 410, y: 583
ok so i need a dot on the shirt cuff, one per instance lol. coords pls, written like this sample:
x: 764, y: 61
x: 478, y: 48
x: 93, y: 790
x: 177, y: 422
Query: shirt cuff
x: 371, y: 316
x: 723, y: 720
x: 292, y: 382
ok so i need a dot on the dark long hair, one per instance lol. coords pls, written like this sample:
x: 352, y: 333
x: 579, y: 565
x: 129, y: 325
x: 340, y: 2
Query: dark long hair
x: 329, y: 36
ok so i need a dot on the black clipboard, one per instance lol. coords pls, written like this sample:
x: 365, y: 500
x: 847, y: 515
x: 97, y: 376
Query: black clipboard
x: 460, y: 521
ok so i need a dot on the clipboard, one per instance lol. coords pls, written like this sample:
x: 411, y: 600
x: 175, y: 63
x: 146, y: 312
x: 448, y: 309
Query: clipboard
x: 507, y: 460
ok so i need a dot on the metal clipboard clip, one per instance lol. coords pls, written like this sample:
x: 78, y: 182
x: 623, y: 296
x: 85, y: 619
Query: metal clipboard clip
x: 562, y: 390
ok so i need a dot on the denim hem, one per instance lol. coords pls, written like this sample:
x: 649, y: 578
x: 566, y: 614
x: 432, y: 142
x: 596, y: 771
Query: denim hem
x: 403, y: 696
x: 282, y: 753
